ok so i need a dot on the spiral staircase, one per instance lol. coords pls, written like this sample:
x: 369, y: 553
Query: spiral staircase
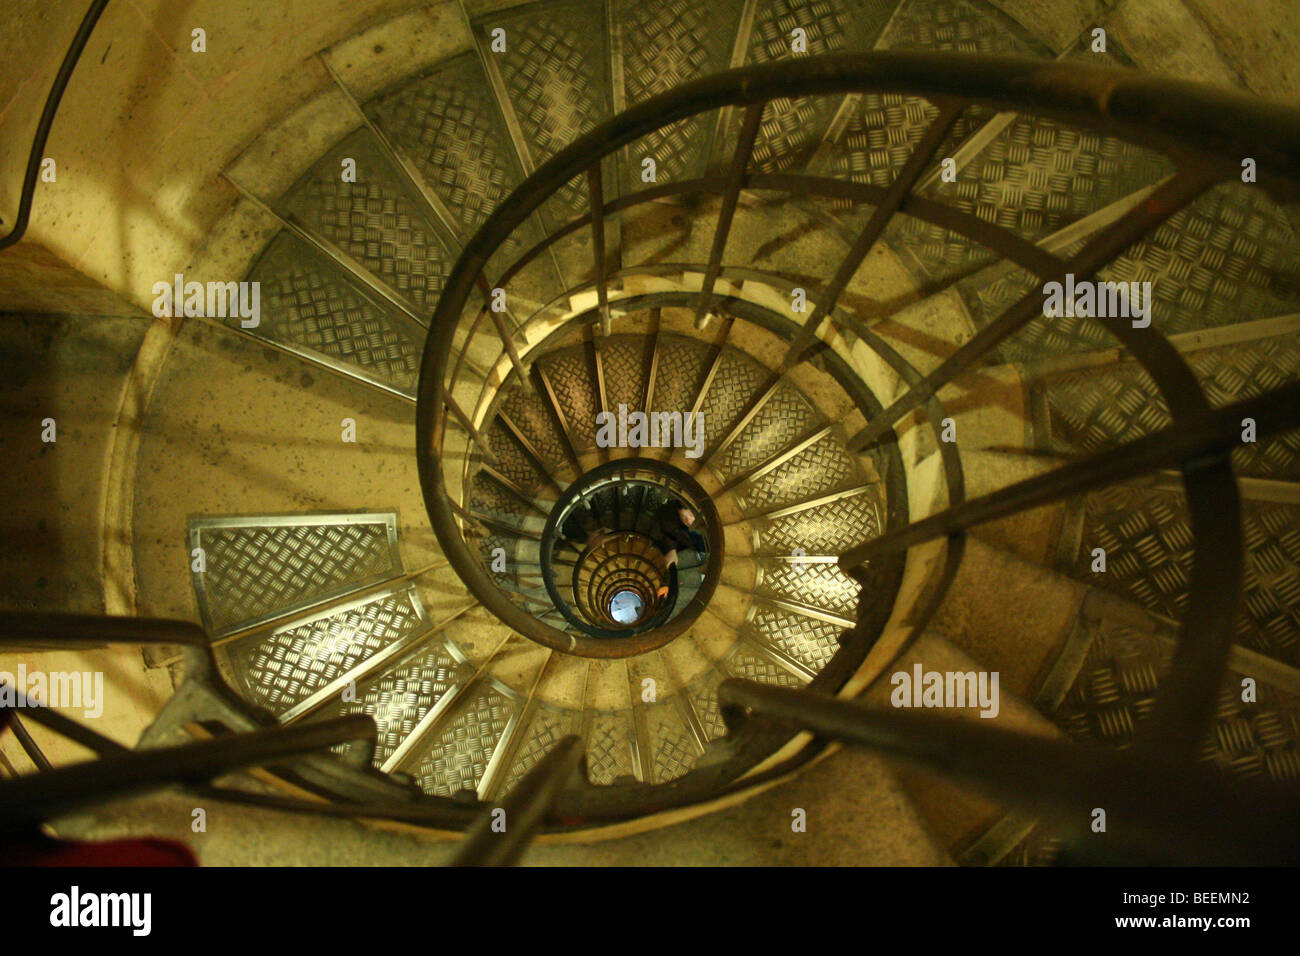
x: 848, y: 320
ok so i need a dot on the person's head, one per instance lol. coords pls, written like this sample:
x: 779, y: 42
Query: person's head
x: 686, y: 514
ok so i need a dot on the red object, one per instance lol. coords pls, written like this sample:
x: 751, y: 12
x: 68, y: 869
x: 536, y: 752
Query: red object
x: 41, y: 850
x: 147, y: 851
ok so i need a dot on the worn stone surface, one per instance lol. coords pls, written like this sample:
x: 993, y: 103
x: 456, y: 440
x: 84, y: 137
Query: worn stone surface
x: 866, y: 823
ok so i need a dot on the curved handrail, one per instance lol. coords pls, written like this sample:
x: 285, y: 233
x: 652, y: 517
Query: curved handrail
x: 1198, y: 125
x: 659, y: 630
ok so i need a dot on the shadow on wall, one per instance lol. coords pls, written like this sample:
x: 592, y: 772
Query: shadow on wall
x: 63, y: 379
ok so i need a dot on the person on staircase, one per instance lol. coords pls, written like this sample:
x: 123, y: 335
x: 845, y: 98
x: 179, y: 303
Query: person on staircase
x: 582, y: 529
x: 673, y: 530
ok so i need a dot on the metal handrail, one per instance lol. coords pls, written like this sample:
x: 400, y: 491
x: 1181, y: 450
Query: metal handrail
x: 502, y: 833
x: 46, y: 122
x: 1174, y: 810
x: 1205, y: 130
x: 593, y: 641
x: 1001, y: 82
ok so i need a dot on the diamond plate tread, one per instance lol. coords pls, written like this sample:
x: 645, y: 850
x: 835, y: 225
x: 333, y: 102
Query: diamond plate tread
x: 879, y: 137
x: 298, y: 659
x: 672, y: 748
x: 490, y: 499
x: 308, y: 306
x: 489, y: 542
x: 1148, y: 540
x: 259, y: 569
x: 609, y: 747
x: 703, y: 696
x: 622, y: 360
x: 556, y: 76
x: 682, y: 363
x: 1116, y: 690
x: 784, y: 418
x: 737, y: 379
x: 548, y: 726
x: 1096, y: 409
x: 666, y: 44
x: 1229, y: 257
x: 830, y: 528
x: 1037, y: 176
x: 750, y: 665
x: 822, y: 586
x: 935, y: 255
x: 457, y: 752
x: 447, y: 122
x: 530, y: 415
x: 869, y: 152
x: 959, y: 26
x: 400, y: 697
x: 822, y: 468
x: 793, y: 128
x: 372, y: 219
x: 511, y: 460
x: 807, y: 640
x: 570, y: 376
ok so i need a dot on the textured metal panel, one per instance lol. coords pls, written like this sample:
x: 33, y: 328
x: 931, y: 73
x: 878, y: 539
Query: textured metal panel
x: 809, y: 641
x: 487, y: 497
x: 531, y: 417
x: 457, y: 752
x: 308, y: 306
x: 487, y: 545
x: 622, y: 360
x: 374, y: 220
x: 263, y: 566
x: 1098, y: 408
x: 830, y: 528
x: 1116, y: 691
x: 681, y: 366
x: 785, y: 417
x: 822, y: 586
x: 1037, y: 176
x: 748, y: 664
x: 824, y: 467
x: 880, y: 135
x: 673, y: 752
x: 1230, y: 256
x: 512, y: 462
x: 609, y: 747
x: 570, y: 375
x: 548, y: 726
x: 666, y: 44
x: 1094, y: 409
x: 447, y: 122
x: 961, y: 26
x: 933, y: 252
x: 1148, y: 541
x: 400, y: 697
x: 557, y: 77
x: 300, y: 658
x: 703, y: 696
x: 737, y: 378
x: 793, y: 128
